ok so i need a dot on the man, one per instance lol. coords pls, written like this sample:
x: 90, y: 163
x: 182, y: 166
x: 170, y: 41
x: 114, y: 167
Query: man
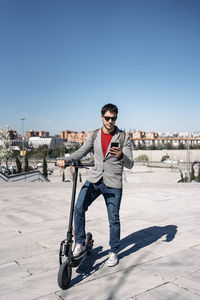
x: 105, y: 178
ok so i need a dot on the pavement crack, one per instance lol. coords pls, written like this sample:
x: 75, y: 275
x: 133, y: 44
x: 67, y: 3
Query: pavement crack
x: 185, y: 288
x: 21, y: 266
x: 155, y: 287
x: 59, y: 296
x: 17, y: 263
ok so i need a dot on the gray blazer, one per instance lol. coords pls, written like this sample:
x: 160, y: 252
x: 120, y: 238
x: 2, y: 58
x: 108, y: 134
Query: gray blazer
x: 108, y: 167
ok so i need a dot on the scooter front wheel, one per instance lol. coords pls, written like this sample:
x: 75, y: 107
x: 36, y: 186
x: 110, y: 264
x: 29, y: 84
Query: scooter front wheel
x: 64, y: 275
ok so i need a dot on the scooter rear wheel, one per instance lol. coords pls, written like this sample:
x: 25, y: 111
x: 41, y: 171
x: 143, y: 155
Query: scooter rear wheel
x: 64, y: 275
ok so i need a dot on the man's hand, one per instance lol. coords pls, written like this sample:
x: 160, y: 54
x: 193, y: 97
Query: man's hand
x: 116, y: 151
x: 61, y: 163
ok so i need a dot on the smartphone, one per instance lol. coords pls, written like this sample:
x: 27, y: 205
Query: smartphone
x: 114, y: 144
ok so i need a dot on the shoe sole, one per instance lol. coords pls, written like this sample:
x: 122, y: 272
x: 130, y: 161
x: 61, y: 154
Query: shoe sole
x: 108, y: 265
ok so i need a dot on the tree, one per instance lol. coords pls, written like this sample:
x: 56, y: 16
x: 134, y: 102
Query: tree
x: 182, y: 178
x: 139, y: 146
x: 5, y: 146
x: 198, y: 176
x: 152, y: 147
x: 181, y: 146
x: 63, y: 176
x: 168, y: 146
x: 186, y: 178
x: 26, y: 168
x: 19, y: 166
x: 159, y: 146
x: 62, y: 150
x: 192, y: 175
x: 45, y: 167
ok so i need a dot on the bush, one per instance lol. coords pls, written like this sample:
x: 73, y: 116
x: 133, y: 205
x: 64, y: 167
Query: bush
x: 142, y: 158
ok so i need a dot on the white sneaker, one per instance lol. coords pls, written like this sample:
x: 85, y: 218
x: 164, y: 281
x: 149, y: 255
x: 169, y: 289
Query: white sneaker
x: 79, y: 249
x: 112, y: 260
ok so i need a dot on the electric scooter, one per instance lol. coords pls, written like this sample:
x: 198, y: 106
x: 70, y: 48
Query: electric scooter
x: 66, y: 259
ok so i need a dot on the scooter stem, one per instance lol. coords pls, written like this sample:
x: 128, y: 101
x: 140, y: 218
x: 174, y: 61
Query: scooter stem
x: 69, y: 233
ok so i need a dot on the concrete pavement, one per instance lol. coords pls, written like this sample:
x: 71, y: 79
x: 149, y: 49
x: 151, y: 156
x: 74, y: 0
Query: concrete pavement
x: 160, y: 246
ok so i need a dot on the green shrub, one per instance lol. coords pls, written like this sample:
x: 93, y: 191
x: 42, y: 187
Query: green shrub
x: 142, y: 158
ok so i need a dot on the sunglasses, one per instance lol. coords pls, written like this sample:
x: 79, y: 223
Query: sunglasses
x: 108, y: 118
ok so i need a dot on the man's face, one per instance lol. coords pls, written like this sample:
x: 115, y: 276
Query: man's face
x: 108, y: 120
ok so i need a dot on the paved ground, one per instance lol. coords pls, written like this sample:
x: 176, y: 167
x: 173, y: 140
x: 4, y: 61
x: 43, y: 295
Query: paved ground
x: 160, y: 247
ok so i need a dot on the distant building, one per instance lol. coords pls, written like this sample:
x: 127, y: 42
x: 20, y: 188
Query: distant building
x: 74, y: 136
x: 151, y: 135
x: 138, y: 134
x: 51, y: 142
x: 13, y: 134
x: 32, y: 133
x: 44, y: 134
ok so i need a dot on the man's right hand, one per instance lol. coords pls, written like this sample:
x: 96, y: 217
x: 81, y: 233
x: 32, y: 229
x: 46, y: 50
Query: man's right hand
x: 61, y: 163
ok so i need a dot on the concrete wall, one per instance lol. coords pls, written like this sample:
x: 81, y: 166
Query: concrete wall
x: 26, y: 176
x: 156, y: 155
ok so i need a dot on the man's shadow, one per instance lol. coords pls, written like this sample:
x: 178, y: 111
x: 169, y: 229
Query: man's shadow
x: 137, y: 240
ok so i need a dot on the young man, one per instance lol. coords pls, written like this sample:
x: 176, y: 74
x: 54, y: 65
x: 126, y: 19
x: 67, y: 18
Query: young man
x: 105, y: 178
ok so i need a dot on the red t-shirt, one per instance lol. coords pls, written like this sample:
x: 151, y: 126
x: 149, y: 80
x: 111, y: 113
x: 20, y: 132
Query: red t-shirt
x: 105, y: 141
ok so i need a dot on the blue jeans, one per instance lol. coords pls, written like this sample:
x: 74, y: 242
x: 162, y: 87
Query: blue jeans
x: 88, y: 193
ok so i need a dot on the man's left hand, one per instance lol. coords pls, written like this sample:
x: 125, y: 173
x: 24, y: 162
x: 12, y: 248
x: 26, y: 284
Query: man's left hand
x: 116, y: 151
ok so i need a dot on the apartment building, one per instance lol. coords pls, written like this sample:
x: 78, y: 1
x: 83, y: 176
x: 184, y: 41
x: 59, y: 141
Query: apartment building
x: 74, y: 136
x: 33, y: 133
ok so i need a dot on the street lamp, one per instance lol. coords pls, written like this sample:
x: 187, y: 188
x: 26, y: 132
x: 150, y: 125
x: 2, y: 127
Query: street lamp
x: 188, y: 158
x: 23, y: 119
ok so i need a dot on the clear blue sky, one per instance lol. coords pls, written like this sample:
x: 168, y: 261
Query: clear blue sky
x: 62, y: 60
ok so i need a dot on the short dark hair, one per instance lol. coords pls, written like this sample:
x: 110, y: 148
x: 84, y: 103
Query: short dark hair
x: 109, y: 107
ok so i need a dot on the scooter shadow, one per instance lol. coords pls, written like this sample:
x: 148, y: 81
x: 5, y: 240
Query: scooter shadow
x: 88, y: 266
x: 137, y: 240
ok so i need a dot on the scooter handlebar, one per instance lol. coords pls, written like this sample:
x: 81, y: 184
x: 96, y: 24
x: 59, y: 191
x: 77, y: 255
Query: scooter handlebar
x: 77, y: 164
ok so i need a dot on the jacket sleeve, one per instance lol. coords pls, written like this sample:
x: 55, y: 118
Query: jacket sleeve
x: 127, y: 158
x: 83, y: 150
